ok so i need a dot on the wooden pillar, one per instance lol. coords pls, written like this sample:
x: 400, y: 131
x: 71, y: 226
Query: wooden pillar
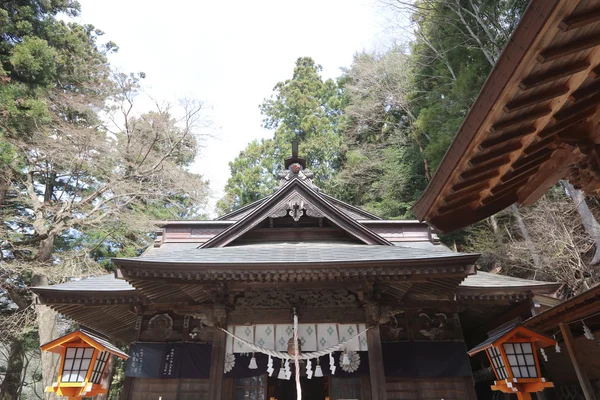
x: 217, y: 365
x: 586, y: 386
x: 217, y: 359
x: 377, y: 374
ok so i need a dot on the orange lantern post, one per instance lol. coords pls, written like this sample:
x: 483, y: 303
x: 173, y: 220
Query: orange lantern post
x: 84, y: 360
x: 513, y: 356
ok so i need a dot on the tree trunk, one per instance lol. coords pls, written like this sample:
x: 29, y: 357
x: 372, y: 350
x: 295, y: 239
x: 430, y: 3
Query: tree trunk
x: 47, y: 331
x: 9, y: 390
x: 525, y: 233
x: 495, y: 228
x: 45, y: 249
x: 591, y: 225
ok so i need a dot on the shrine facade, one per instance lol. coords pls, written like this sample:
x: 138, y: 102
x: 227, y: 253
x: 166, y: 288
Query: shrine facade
x: 383, y: 309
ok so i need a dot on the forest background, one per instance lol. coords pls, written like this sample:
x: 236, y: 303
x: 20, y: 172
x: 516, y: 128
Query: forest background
x: 84, y: 172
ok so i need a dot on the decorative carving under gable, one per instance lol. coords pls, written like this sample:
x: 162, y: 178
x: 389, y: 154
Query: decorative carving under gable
x: 287, y: 298
x: 436, y: 326
x: 295, y: 205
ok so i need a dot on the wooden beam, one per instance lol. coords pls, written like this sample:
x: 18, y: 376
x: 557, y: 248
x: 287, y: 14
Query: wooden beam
x: 579, y: 20
x: 553, y: 74
x: 470, y: 182
x: 576, y: 46
x: 548, y: 175
x: 532, y: 159
x: 586, y: 386
x: 594, y: 72
x: 590, y: 103
x: 217, y: 365
x: 530, y: 116
x: 540, y: 144
x: 378, y: 389
x: 526, y: 170
x: 537, y: 98
x: 489, y: 155
x: 460, y: 202
x: 485, y: 167
x: 494, y: 140
x: 568, y: 122
x: 584, y: 92
x: 460, y: 194
x: 508, y: 186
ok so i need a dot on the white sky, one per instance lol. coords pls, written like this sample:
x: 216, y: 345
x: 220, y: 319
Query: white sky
x: 230, y: 55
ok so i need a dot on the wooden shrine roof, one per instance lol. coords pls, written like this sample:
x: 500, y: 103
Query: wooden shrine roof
x: 584, y: 305
x: 348, y: 209
x: 109, y: 284
x: 533, y: 123
x: 293, y: 254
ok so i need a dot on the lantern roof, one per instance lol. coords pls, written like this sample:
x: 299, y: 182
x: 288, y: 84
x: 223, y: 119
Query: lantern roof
x: 79, y: 336
x: 513, y: 332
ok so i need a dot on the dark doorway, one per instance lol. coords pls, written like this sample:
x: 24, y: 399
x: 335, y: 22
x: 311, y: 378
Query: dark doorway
x: 313, y: 389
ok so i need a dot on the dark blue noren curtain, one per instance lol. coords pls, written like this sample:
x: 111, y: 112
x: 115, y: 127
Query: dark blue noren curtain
x: 425, y: 359
x: 169, y: 360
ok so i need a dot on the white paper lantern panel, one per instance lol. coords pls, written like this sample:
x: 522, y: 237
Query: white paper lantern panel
x: 246, y: 333
x: 346, y: 332
x: 362, y: 339
x: 283, y: 335
x: 264, y: 336
x: 307, y: 336
x: 327, y: 336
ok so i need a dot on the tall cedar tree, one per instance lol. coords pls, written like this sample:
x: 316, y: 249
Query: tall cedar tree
x: 304, y: 108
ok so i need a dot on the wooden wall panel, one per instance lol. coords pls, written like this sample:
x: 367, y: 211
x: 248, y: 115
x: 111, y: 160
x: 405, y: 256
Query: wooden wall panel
x: 168, y: 389
x: 428, y: 388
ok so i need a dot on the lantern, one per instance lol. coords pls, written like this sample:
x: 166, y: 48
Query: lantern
x: 513, y: 356
x: 84, y: 360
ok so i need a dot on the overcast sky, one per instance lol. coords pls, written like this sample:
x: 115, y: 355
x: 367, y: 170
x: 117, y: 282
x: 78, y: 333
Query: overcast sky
x: 230, y: 55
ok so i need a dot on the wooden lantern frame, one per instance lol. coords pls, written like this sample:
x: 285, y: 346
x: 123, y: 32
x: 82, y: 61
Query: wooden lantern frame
x: 507, y: 382
x: 82, y: 340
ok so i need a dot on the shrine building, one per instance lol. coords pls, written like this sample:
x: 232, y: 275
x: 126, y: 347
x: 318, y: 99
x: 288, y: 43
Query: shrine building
x: 381, y: 308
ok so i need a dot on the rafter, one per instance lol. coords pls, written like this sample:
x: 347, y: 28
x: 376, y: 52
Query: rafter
x: 577, y: 21
x: 530, y: 116
x: 460, y: 194
x: 576, y: 46
x: 591, y: 102
x: 584, y: 92
x: 568, y: 122
x: 476, y: 170
x: 553, y: 74
x: 531, y: 100
x: 505, y: 137
x: 488, y: 155
x: 470, y: 182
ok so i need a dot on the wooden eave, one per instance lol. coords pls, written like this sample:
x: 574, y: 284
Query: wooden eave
x: 576, y: 308
x: 505, y: 292
x: 88, y: 297
x: 262, y: 211
x: 298, y: 272
x: 534, y: 118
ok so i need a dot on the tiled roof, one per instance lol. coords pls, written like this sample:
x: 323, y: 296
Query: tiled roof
x: 110, y: 283
x: 282, y: 253
x: 486, y: 279
x: 105, y: 283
